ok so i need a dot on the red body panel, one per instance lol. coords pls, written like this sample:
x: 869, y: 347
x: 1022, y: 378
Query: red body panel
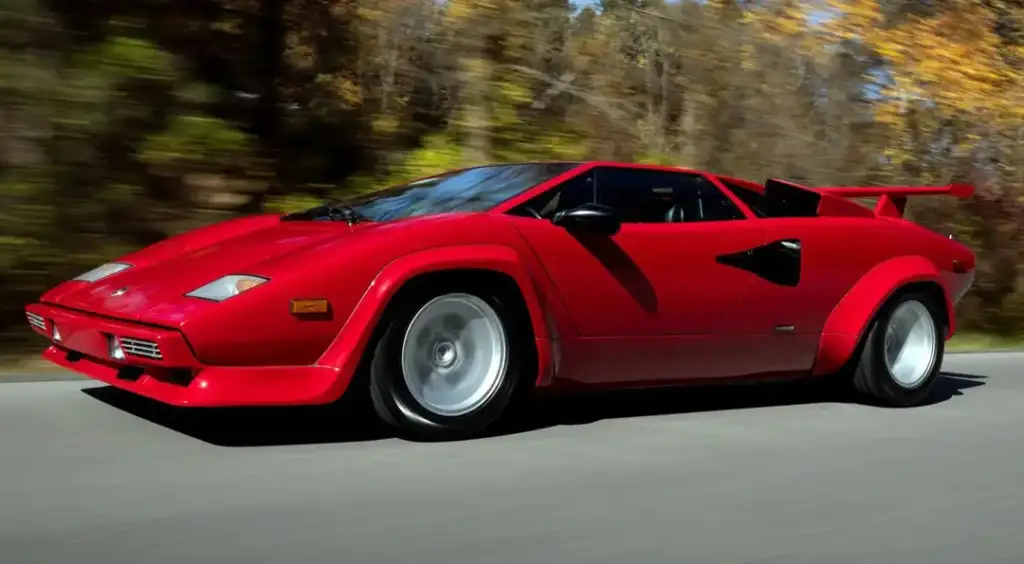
x: 651, y: 305
x: 653, y: 289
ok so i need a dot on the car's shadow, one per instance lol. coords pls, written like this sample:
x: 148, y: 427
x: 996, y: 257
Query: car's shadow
x: 320, y: 425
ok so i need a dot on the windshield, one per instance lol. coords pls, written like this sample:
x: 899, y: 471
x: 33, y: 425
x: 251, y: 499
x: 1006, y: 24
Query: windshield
x: 469, y: 190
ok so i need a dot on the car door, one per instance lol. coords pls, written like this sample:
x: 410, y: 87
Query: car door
x: 807, y: 265
x: 651, y: 302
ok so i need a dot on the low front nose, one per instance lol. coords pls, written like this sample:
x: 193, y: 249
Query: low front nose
x: 962, y: 283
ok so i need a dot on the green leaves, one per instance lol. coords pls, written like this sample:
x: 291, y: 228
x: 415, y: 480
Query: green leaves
x: 197, y: 139
x: 121, y: 123
x: 123, y: 57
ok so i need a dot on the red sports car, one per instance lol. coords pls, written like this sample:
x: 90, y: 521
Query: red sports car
x: 442, y: 300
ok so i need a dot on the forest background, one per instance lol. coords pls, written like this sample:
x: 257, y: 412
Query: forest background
x: 123, y: 122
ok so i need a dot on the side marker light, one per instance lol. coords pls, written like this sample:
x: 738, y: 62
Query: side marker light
x: 310, y: 307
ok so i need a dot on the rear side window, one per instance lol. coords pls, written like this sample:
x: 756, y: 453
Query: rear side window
x: 755, y: 201
x: 658, y: 196
x: 778, y: 200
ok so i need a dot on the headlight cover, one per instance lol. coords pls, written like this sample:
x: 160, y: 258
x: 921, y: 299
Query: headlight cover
x: 226, y: 287
x: 102, y: 271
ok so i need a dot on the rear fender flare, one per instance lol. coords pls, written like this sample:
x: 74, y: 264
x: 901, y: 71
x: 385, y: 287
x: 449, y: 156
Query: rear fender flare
x: 348, y: 348
x: 850, y: 319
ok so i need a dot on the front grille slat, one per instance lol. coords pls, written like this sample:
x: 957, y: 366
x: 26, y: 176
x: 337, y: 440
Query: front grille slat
x: 140, y: 347
x: 36, y: 320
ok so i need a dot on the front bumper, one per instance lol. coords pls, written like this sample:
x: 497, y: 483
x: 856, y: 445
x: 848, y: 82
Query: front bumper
x: 159, y: 364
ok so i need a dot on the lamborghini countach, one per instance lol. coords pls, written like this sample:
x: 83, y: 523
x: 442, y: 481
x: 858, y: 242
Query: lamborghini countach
x: 445, y: 301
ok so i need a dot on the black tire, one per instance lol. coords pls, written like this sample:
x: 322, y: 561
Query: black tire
x: 872, y: 378
x: 396, y: 405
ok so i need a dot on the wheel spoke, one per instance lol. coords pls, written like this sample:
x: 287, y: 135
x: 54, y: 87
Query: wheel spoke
x: 454, y: 354
x: 910, y: 344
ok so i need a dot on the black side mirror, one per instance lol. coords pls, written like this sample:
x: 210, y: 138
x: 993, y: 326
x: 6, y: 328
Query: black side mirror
x: 589, y: 218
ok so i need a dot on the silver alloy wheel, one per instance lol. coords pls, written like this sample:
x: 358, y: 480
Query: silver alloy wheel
x: 454, y: 354
x: 910, y: 344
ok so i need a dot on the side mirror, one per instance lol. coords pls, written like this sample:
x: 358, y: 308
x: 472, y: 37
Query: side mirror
x: 589, y: 218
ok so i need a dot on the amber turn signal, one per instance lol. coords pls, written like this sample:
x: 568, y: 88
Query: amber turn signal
x: 306, y: 307
x: 247, y: 284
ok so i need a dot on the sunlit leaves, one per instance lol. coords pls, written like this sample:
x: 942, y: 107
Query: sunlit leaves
x: 131, y: 57
x: 166, y: 114
x: 952, y: 58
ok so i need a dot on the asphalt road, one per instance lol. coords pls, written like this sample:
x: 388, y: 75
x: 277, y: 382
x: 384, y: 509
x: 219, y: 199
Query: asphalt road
x: 773, y: 474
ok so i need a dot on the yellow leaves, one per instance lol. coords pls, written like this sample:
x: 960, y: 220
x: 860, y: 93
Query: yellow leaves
x: 460, y: 9
x: 506, y: 97
x: 655, y: 158
x: 289, y: 203
x: 787, y: 18
x: 342, y: 88
x: 349, y: 92
x: 385, y: 124
x: 893, y: 154
x: 775, y: 22
x: 748, y: 57
x: 889, y: 114
x: 859, y: 18
x: 559, y: 145
x: 514, y: 92
x: 790, y: 26
x: 440, y: 152
x: 953, y: 59
x: 463, y: 10
x: 475, y: 68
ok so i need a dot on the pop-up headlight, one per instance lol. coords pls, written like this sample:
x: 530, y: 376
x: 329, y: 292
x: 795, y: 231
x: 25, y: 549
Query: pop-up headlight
x: 101, y: 272
x: 226, y: 287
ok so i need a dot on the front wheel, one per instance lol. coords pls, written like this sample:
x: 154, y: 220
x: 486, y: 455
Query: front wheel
x: 447, y: 365
x: 902, y: 353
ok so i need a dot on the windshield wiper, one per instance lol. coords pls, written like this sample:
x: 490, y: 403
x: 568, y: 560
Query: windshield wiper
x: 339, y: 211
x: 330, y: 210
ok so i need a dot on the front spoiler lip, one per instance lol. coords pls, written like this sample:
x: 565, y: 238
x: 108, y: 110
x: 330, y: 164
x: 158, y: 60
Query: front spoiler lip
x: 179, y: 378
x: 213, y: 386
x: 87, y: 333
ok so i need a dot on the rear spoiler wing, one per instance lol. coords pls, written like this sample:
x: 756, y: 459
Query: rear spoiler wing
x: 892, y: 200
x: 835, y: 200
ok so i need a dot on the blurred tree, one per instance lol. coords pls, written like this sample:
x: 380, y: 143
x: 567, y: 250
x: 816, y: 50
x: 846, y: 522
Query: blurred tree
x: 106, y: 137
x: 951, y: 91
x: 123, y: 122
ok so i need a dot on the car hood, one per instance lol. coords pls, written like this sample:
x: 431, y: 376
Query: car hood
x: 153, y: 289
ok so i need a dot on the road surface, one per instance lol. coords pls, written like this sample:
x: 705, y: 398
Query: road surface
x: 765, y: 475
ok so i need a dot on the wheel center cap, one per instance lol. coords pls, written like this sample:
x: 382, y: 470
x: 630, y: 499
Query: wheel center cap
x: 445, y: 354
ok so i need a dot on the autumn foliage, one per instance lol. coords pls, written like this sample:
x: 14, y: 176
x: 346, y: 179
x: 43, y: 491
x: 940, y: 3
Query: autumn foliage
x: 121, y: 123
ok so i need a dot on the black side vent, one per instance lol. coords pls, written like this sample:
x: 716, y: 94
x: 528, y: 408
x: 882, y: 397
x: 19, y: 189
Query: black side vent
x: 778, y: 262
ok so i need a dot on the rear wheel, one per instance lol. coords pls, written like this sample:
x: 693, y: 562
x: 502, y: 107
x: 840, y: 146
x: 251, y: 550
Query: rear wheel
x: 447, y: 364
x: 902, y: 353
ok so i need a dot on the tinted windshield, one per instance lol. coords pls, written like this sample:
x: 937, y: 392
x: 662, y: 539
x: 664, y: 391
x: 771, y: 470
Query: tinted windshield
x: 474, y: 189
